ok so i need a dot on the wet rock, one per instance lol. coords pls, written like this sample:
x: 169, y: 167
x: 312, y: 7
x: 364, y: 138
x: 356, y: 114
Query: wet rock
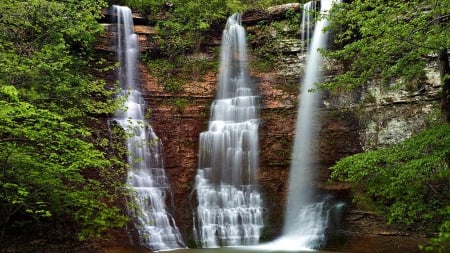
x: 350, y: 122
x: 280, y: 11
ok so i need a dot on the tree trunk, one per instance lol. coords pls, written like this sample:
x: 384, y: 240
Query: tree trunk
x: 445, y: 79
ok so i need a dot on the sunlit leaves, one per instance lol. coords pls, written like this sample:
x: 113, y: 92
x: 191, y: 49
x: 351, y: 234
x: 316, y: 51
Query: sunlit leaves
x: 407, y: 180
x: 395, y: 40
x: 9, y: 92
x: 50, y: 160
x: 387, y: 39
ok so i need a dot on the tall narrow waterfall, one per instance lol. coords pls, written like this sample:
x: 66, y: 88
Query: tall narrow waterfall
x: 229, y: 211
x: 146, y: 176
x: 305, y: 218
x: 309, y: 14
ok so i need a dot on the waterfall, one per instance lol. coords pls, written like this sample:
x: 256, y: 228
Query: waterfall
x: 309, y: 14
x: 146, y: 177
x: 305, y: 219
x: 303, y: 156
x: 229, y: 211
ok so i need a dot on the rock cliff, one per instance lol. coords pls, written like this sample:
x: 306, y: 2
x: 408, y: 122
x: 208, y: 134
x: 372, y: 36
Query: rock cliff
x: 350, y: 122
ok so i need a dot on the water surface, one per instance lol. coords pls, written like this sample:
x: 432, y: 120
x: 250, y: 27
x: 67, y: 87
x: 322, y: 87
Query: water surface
x: 250, y: 249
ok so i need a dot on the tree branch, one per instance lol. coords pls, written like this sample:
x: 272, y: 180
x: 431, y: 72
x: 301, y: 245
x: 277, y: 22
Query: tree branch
x: 428, y: 24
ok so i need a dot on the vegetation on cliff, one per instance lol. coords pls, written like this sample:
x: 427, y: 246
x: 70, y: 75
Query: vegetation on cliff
x: 185, y: 27
x: 394, y: 41
x: 408, y: 182
x: 56, y: 178
x: 61, y: 177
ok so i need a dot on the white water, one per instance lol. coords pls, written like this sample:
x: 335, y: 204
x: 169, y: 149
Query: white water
x: 309, y: 13
x: 229, y: 211
x: 146, y: 177
x: 306, y: 219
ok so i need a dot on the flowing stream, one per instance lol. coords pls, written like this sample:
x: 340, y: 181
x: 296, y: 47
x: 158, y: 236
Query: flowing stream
x: 229, y: 211
x: 146, y: 177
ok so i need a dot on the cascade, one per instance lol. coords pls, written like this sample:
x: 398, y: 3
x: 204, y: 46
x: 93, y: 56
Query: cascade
x: 309, y: 14
x: 305, y: 218
x: 146, y: 177
x: 229, y: 211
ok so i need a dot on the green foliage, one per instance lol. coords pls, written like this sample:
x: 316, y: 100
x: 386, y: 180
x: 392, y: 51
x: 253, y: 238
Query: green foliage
x: 262, y: 46
x: 182, y: 25
x: 43, y: 161
x: 387, y: 39
x: 185, y: 27
x: 167, y: 73
x: 394, y: 41
x: 51, y: 160
x: 408, y: 182
x: 173, y: 73
x: 55, y: 38
x: 441, y: 243
x: 293, y: 18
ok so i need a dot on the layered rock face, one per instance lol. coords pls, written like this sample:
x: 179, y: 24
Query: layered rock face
x: 350, y: 122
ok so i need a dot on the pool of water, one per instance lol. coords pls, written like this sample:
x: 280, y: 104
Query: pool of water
x: 213, y: 250
x: 243, y: 250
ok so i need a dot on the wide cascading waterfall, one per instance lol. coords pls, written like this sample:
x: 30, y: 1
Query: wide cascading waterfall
x: 305, y: 218
x: 146, y: 176
x: 229, y: 211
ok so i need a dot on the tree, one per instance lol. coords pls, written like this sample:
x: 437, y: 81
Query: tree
x: 407, y: 182
x: 391, y: 40
x: 394, y: 41
x: 56, y: 178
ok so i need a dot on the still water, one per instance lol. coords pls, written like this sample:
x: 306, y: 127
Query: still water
x: 211, y: 250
